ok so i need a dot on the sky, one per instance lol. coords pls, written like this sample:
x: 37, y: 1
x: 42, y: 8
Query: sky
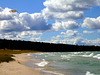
x: 74, y: 22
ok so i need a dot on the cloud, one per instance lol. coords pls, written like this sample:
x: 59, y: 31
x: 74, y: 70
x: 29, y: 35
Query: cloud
x: 29, y: 34
x: 65, y: 9
x: 1, y: 9
x: 73, y: 37
x: 70, y: 33
x: 70, y: 15
x: 34, y: 21
x: 10, y: 22
x: 65, y: 25
x: 98, y: 30
x: 62, y: 38
x: 35, y: 39
x: 24, y: 35
x: 92, y: 23
x: 22, y: 22
x: 5, y: 14
x: 11, y: 25
x: 32, y: 35
x: 82, y: 41
x: 22, y: 26
x: 64, y: 12
x: 9, y: 35
x: 65, y: 35
x: 88, y: 32
x: 66, y: 5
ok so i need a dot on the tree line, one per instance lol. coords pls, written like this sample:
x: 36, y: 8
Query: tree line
x: 45, y: 47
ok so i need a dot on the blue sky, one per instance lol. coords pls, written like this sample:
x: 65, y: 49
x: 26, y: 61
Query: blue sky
x: 31, y: 6
x: 54, y: 21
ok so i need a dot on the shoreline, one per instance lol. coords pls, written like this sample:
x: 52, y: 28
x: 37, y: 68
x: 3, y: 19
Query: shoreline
x: 18, y: 66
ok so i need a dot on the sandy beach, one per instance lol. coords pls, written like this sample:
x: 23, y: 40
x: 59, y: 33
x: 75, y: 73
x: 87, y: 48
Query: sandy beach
x: 18, y: 67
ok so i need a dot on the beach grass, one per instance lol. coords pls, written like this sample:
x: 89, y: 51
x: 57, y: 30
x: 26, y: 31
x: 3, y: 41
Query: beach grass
x: 7, y: 54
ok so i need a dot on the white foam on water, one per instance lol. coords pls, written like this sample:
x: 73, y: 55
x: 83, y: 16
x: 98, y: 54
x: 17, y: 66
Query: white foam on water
x: 29, y: 54
x: 87, y: 54
x: 89, y: 73
x: 65, y: 56
x: 97, y: 56
x: 77, y: 53
x: 53, y: 72
x: 45, y: 56
x: 81, y: 54
x: 91, y: 55
x: 43, y: 63
x: 39, y: 53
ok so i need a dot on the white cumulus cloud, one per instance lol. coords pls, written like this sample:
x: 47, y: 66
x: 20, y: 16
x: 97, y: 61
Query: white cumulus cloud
x: 65, y: 25
x: 73, y: 37
x: 71, y: 9
x: 88, y: 32
x: 24, y: 35
x: 70, y: 33
x: 98, y: 30
x: 5, y: 14
x: 34, y: 21
x: 92, y: 23
x: 70, y: 15
x: 21, y: 22
x: 66, y: 10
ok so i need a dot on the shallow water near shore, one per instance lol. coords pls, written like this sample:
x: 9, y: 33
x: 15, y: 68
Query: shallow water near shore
x: 66, y: 63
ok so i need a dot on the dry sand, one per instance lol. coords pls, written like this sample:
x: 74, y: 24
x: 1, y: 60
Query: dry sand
x: 17, y: 67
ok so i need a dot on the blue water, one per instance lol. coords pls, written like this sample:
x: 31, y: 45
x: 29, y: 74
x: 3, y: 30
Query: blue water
x: 67, y: 63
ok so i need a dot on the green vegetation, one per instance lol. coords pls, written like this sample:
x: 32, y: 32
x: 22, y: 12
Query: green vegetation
x: 6, y: 54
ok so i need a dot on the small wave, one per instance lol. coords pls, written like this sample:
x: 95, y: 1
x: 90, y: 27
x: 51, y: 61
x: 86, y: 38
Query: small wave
x: 53, y: 73
x: 88, y: 55
x: 97, y: 56
x: 88, y: 73
x: 81, y: 54
x: 43, y: 63
x: 77, y: 54
x: 65, y: 56
x: 29, y: 54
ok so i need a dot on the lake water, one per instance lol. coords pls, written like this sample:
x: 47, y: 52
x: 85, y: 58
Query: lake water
x: 66, y: 63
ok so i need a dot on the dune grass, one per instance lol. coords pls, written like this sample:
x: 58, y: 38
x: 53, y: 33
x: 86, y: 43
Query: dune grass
x: 6, y: 54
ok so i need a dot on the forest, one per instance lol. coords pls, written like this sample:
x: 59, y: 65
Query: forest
x: 45, y: 47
